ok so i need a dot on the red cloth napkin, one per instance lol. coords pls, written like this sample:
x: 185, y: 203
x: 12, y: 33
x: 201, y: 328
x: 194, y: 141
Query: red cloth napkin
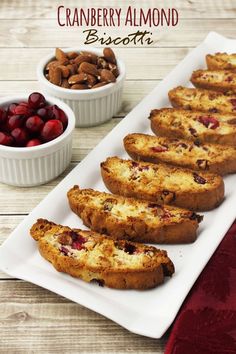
x: 206, y: 322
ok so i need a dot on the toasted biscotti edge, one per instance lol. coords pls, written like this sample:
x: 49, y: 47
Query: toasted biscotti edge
x: 136, y: 229
x: 211, y: 85
x: 222, y: 168
x: 123, y: 279
x: 216, y: 62
x: 196, y: 201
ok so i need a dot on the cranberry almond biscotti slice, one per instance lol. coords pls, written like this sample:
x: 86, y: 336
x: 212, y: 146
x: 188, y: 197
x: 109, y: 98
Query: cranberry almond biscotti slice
x: 133, y: 219
x: 220, y: 61
x: 217, y: 80
x: 193, y: 125
x: 214, y: 158
x: 202, y: 100
x: 163, y: 184
x: 93, y: 257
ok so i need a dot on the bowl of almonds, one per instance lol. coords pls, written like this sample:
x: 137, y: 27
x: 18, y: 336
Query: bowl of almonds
x: 90, y: 82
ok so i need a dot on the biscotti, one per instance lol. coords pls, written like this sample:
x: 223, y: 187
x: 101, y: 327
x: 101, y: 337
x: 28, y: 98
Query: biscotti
x: 184, y: 153
x: 93, y: 257
x: 133, y: 219
x: 217, y: 80
x: 202, y: 100
x: 193, y: 125
x: 163, y: 184
x: 220, y: 61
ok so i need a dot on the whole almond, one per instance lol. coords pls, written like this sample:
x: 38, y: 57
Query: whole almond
x: 113, y: 68
x: 107, y: 76
x: 77, y: 79
x: 82, y: 58
x: 92, y: 56
x: 72, y: 68
x: 109, y: 55
x: 65, y: 83
x: 65, y: 71
x: 99, y: 84
x: 101, y: 63
x: 55, y: 75
x: 72, y: 55
x: 91, y: 80
x: 79, y: 87
x: 52, y: 63
x: 61, y: 56
x: 89, y: 69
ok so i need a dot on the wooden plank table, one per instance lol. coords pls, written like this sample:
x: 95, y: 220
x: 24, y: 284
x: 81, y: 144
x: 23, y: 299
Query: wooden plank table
x: 34, y: 320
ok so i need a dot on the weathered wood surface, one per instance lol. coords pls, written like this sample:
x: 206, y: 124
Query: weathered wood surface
x: 34, y: 320
x: 190, y: 9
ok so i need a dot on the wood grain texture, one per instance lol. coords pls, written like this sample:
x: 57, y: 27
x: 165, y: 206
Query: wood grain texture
x: 34, y: 320
x: 200, y: 9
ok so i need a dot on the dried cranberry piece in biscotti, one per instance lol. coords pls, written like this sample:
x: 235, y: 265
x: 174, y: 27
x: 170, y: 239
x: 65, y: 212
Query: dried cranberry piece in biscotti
x: 199, y: 179
x: 79, y: 242
x: 229, y: 79
x: 209, y: 122
x: 233, y: 101
x: 64, y: 250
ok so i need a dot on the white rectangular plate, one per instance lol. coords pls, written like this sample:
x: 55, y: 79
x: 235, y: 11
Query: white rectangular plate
x: 150, y: 312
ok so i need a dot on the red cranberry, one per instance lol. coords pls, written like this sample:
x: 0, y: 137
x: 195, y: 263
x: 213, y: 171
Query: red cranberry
x: 23, y: 103
x: 60, y: 115
x: 3, y: 116
x: 209, y: 122
x: 43, y: 113
x: 20, y: 135
x: 36, y: 100
x: 22, y: 110
x: 33, y: 142
x: 5, y: 139
x: 52, y: 129
x: 34, y: 124
x: 50, y: 114
x: 11, y: 108
x: 15, y: 121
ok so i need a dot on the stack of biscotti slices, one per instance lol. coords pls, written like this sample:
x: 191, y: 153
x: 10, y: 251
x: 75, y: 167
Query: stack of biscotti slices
x: 172, y: 175
x: 195, y: 143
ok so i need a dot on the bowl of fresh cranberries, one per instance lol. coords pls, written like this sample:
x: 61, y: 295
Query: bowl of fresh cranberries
x: 89, y: 80
x: 35, y: 139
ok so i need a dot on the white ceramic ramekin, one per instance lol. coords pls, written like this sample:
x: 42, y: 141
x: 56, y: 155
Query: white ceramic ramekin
x: 27, y: 167
x: 92, y: 106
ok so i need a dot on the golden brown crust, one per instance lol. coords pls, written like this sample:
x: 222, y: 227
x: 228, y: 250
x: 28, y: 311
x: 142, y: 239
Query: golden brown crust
x: 217, y: 80
x: 221, y: 61
x: 214, y: 158
x: 202, y: 100
x: 194, y: 126
x: 94, y: 257
x: 132, y: 219
x: 163, y: 184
